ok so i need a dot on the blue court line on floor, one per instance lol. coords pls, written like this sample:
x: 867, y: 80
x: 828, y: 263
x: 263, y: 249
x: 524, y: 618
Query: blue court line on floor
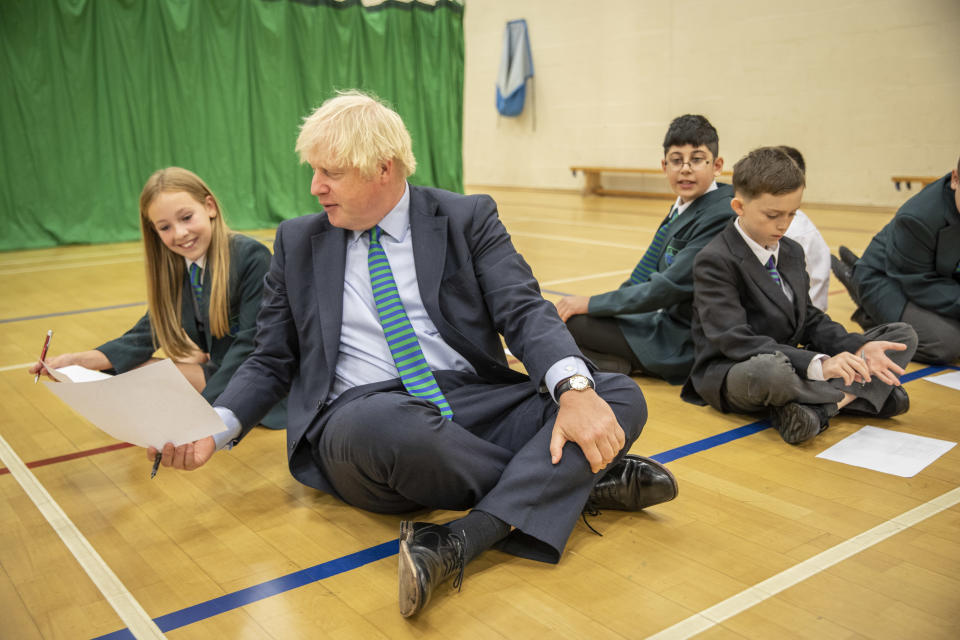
x: 237, y: 599
x: 225, y: 603
x: 74, y: 312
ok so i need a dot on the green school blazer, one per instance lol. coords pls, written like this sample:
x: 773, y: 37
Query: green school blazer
x: 914, y: 258
x: 655, y: 316
x: 249, y: 262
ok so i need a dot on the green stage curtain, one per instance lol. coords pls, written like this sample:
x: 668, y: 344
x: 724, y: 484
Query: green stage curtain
x: 95, y: 95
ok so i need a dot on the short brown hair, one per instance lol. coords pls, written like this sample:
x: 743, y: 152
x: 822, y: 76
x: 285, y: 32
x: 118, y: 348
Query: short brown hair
x: 766, y: 170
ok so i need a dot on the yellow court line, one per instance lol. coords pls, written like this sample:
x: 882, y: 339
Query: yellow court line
x: 122, y: 601
x: 712, y: 616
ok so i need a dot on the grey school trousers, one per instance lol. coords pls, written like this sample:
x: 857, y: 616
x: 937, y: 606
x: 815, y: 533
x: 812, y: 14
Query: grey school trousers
x: 769, y: 379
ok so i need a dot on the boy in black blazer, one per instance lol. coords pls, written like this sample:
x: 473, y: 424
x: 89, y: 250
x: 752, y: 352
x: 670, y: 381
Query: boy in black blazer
x: 761, y: 345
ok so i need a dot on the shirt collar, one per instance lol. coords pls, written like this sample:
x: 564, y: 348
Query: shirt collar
x: 201, y: 262
x: 763, y: 254
x: 395, y: 224
x: 682, y: 206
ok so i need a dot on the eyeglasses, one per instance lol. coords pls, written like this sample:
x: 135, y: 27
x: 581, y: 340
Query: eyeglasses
x: 696, y: 163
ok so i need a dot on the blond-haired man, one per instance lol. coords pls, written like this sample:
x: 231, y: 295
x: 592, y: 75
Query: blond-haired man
x: 382, y: 316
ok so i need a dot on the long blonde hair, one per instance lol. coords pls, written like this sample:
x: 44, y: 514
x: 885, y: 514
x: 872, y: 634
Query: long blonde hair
x: 166, y: 270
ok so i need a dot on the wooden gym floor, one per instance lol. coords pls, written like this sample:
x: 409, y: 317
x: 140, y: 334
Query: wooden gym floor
x: 764, y: 540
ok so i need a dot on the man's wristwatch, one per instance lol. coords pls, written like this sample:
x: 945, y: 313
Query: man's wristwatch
x: 576, y: 382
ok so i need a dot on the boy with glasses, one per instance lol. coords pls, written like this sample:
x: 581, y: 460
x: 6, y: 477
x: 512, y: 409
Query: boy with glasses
x: 643, y: 327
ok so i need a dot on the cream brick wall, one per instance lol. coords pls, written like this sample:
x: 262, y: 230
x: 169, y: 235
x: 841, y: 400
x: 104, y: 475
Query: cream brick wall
x: 865, y: 89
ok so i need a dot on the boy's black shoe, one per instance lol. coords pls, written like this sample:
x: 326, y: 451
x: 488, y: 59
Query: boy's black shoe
x: 429, y: 555
x: 799, y: 422
x: 632, y: 484
x: 896, y: 403
x: 848, y: 257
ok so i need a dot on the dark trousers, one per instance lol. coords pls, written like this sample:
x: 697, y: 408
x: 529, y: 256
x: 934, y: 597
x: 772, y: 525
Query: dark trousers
x: 386, y: 451
x: 600, y: 338
x: 939, y: 336
x: 769, y: 379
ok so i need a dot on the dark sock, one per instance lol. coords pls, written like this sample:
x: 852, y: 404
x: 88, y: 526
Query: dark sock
x: 479, y: 531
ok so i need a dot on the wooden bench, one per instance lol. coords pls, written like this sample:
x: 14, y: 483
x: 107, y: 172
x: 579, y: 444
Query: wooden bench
x: 592, y: 184
x: 923, y: 180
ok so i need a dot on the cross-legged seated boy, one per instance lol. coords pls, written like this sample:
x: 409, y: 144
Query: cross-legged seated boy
x: 644, y: 326
x: 911, y: 271
x: 761, y: 345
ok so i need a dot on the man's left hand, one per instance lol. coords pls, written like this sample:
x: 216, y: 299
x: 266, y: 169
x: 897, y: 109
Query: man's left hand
x: 586, y: 419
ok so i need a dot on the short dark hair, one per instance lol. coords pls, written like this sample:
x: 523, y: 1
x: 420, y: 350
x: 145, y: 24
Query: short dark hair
x: 796, y: 156
x: 693, y: 130
x: 766, y: 170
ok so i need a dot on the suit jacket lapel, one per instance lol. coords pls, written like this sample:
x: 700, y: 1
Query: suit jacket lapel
x: 429, y: 242
x: 329, y: 265
x: 758, y: 273
x: 790, y: 268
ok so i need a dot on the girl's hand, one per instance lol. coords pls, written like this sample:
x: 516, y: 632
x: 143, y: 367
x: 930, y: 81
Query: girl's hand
x: 93, y: 359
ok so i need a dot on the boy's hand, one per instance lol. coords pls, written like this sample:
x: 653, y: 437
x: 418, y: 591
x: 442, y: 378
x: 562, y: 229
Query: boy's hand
x: 875, y: 355
x: 871, y: 359
x: 572, y: 306
x: 851, y: 368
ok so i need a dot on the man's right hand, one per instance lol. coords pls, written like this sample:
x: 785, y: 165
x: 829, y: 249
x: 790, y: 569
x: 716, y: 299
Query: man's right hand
x: 188, y: 457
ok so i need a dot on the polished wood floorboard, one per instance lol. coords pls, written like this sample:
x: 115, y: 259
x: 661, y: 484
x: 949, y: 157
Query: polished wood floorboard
x: 747, y: 510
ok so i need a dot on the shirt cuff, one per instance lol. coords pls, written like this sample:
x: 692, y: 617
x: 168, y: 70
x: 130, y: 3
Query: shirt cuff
x: 815, y: 368
x: 224, y: 439
x: 563, y: 369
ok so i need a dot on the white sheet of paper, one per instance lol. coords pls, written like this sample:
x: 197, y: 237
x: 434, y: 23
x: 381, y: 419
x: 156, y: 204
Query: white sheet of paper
x: 76, y: 373
x: 951, y: 379
x: 149, y: 406
x: 899, y: 454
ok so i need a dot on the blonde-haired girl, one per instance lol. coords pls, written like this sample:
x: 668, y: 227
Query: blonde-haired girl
x: 204, y: 285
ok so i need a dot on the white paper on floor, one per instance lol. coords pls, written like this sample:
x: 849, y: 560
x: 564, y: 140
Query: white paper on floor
x: 951, y: 379
x: 899, y: 454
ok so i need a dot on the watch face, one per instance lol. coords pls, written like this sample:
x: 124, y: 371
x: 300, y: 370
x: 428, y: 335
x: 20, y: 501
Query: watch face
x: 579, y: 382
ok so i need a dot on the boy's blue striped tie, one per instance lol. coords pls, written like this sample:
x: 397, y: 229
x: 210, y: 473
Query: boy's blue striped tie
x: 772, y: 270
x: 648, y: 263
x: 196, y: 282
x: 414, y: 370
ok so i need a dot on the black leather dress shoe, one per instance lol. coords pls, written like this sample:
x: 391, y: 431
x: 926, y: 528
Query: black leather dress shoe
x: 844, y: 273
x: 632, y: 484
x: 896, y: 403
x: 798, y: 422
x: 848, y: 257
x: 429, y: 555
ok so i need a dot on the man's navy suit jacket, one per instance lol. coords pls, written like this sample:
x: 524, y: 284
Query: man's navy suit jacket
x: 474, y: 285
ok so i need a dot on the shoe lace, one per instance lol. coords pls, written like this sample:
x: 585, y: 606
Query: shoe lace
x: 458, y: 563
x: 593, y: 512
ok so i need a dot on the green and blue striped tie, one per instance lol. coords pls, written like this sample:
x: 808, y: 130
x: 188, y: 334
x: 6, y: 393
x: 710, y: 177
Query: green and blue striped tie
x: 414, y: 370
x: 648, y: 263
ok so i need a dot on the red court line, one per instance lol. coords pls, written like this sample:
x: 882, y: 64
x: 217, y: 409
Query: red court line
x: 72, y: 456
